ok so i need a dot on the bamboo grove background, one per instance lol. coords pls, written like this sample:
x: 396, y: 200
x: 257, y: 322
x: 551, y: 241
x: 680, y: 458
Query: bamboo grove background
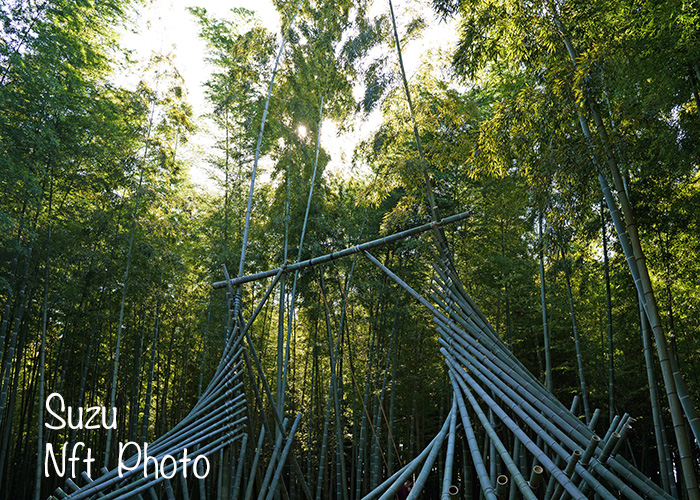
x: 104, y: 242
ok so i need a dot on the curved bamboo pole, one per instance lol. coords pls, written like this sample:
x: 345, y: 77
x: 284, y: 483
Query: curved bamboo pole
x: 249, y: 207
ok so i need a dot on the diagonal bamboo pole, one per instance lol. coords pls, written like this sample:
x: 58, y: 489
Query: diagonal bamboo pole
x: 342, y: 253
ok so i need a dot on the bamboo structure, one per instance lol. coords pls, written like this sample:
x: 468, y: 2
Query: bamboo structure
x: 517, y: 440
x: 569, y: 459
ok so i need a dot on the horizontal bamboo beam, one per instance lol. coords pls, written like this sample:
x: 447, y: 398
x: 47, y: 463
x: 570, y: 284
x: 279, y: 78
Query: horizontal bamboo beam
x: 342, y: 253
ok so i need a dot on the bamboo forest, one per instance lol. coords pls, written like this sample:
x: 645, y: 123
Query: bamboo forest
x: 443, y: 249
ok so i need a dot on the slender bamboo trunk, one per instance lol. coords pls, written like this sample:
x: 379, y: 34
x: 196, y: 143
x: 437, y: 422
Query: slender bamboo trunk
x: 661, y: 444
x: 579, y: 357
x: 379, y: 410
x: 249, y: 207
x: 14, y: 269
x: 608, y: 308
x: 162, y: 422
x: 204, y: 346
x: 149, y: 386
x: 42, y: 353
x: 136, y: 380
x: 545, y: 327
x: 331, y: 394
x: 9, y: 354
x: 361, y: 474
x: 391, y: 444
x: 281, y: 358
x: 113, y: 392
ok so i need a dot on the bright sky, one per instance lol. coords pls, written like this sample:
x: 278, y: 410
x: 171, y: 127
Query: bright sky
x: 166, y: 26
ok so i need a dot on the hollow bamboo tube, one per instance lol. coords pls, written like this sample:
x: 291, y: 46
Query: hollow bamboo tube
x: 453, y: 492
x: 594, y: 419
x: 507, y: 459
x: 501, y: 486
x: 239, y: 468
x: 458, y: 309
x: 624, y: 432
x: 609, y: 446
x: 570, y: 467
x: 590, y: 449
x: 536, y: 477
x: 518, y: 463
x: 607, y: 449
x: 574, y: 404
x: 481, y: 473
x: 633, y: 252
x: 534, y: 449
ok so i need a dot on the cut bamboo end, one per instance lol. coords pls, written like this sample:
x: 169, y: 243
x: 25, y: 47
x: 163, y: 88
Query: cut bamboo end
x: 501, y: 486
x: 453, y: 491
x: 536, y: 477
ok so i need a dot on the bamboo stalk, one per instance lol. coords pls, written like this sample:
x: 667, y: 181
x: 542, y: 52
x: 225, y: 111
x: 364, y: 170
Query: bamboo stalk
x: 239, y: 468
x: 254, y: 465
x: 449, y: 456
x: 486, y: 487
x: 283, y: 458
x: 342, y: 253
x: 608, y: 308
x: 501, y: 486
x: 42, y: 358
x: 249, y: 207
x: 545, y: 326
x: 577, y: 342
x: 273, y: 459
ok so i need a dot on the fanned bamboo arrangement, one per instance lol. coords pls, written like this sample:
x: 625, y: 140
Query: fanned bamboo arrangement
x: 216, y: 422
